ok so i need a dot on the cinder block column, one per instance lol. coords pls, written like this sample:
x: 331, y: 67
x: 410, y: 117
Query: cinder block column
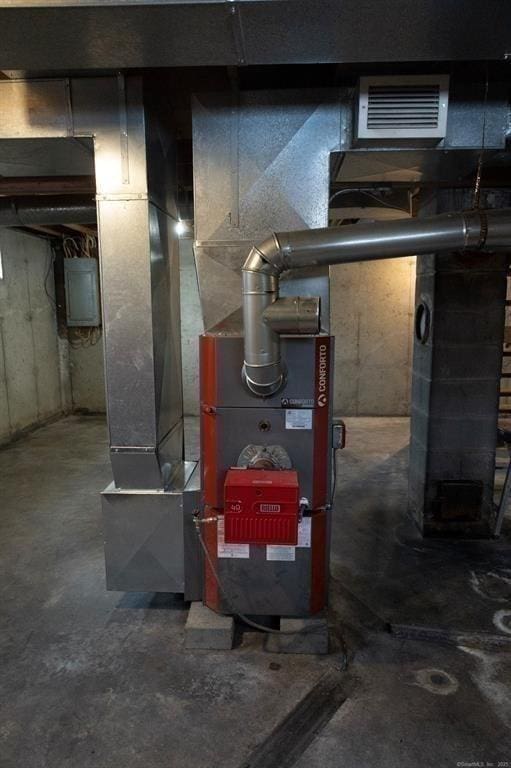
x: 455, y: 392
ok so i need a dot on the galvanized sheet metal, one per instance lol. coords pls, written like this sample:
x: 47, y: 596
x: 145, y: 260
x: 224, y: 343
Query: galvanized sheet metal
x: 261, y: 163
x: 58, y: 34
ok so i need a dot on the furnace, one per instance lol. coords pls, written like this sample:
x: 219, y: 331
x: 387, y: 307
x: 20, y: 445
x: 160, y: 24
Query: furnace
x: 266, y: 477
x: 267, y: 433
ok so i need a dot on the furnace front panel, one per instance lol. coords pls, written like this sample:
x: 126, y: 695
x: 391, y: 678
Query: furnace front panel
x: 290, y: 430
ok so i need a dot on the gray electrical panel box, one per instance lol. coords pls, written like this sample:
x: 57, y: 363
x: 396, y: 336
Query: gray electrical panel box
x: 82, y: 292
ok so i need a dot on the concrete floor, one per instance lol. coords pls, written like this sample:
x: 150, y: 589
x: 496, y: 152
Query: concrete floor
x: 91, y: 678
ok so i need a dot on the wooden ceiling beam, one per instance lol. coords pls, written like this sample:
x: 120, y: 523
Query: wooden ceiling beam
x: 83, y: 229
x: 17, y: 186
x: 43, y: 230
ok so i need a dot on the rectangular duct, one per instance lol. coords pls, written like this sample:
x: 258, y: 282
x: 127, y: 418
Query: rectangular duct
x: 403, y: 107
x: 261, y: 163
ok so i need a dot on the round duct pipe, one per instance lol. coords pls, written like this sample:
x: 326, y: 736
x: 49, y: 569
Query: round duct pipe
x: 43, y: 210
x: 263, y: 370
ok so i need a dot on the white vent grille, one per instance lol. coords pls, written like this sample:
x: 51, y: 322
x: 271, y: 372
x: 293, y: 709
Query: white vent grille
x: 403, y: 107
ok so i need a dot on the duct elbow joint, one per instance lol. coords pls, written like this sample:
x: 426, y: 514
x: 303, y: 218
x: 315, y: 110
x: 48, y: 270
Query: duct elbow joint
x: 265, y: 258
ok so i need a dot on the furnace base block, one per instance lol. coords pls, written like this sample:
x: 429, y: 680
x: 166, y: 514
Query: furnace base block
x: 308, y: 636
x: 206, y: 630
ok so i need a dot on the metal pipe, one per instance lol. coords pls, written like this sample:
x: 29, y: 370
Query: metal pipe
x: 293, y: 314
x: 263, y: 370
x: 18, y: 213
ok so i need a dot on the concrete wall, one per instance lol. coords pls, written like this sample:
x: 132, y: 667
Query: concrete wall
x: 41, y: 376
x: 372, y: 308
x: 30, y: 384
x: 87, y: 377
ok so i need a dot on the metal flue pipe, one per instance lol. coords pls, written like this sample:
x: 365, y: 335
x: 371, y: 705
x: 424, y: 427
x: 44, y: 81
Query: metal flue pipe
x: 263, y: 369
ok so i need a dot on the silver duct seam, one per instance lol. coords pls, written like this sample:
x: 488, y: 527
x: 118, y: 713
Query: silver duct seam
x: 263, y: 369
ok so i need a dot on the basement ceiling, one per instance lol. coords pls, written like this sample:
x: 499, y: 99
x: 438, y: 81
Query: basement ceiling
x: 48, y: 175
x: 46, y: 157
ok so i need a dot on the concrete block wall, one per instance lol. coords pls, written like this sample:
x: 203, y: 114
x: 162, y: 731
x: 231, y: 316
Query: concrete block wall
x: 30, y: 377
x: 456, y: 381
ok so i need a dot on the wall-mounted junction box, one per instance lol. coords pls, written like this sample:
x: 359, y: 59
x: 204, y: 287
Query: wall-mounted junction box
x: 82, y: 292
x: 403, y: 107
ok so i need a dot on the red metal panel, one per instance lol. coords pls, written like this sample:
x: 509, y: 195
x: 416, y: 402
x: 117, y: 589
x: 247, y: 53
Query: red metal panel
x: 211, y: 483
x: 211, y: 480
x: 208, y: 378
x: 261, y: 506
x: 321, y: 421
x: 319, y: 575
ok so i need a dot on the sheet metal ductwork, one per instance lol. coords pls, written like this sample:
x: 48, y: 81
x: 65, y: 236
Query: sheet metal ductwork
x: 264, y: 370
x: 15, y: 213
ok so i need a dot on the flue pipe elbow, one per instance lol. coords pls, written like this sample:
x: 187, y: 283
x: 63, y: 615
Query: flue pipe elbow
x: 263, y: 370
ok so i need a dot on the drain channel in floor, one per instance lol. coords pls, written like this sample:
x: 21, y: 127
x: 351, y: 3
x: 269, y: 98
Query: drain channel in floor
x: 288, y: 741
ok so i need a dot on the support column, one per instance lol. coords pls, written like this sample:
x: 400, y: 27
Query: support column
x: 135, y: 184
x: 460, y: 307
